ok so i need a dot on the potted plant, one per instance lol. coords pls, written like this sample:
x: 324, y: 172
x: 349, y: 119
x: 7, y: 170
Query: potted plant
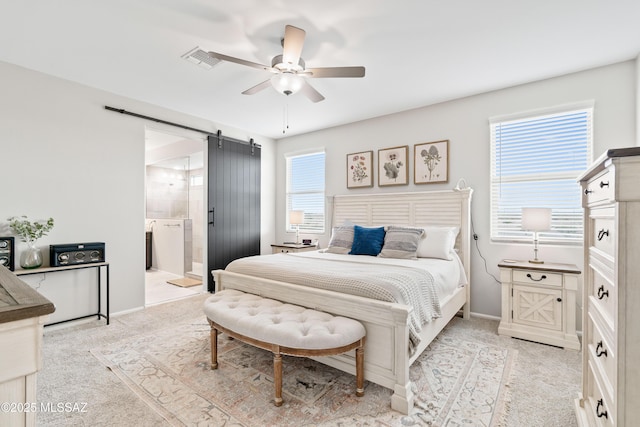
x: 29, y: 232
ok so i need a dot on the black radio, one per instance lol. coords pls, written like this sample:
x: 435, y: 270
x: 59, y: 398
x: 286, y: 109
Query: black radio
x: 7, y: 252
x: 76, y: 253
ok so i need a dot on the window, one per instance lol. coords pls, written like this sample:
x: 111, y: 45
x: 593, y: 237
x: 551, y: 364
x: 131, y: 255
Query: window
x: 535, y: 161
x: 305, y: 190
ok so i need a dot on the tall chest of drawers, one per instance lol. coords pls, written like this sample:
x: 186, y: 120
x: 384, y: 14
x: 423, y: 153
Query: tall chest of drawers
x: 611, y: 298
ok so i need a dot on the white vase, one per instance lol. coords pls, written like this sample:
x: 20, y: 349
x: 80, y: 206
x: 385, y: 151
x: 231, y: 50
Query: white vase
x: 31, y: 257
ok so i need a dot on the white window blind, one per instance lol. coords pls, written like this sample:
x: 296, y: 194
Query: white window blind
x: 534, y: 163
x: 305, y: 190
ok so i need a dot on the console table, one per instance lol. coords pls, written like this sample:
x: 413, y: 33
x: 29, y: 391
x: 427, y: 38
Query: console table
x: 97, y: 265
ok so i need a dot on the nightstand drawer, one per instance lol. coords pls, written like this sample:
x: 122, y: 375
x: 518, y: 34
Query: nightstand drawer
x: 537, y: 277
x: 599, y: 189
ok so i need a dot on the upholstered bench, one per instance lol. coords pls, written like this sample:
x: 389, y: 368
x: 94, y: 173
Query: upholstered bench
x: 283, y: 329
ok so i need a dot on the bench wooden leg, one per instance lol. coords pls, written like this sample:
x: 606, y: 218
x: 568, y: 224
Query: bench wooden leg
x: 360, y: 371
x: 277, y: 378
x: 214, y: 348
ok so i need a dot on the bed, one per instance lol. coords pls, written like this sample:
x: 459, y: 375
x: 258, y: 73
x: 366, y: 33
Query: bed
x: 391, y: 347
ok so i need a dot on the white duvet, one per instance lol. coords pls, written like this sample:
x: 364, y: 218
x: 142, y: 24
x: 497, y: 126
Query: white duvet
x: 420, y: 283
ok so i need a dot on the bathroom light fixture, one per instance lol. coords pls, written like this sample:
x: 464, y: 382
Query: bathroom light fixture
x: 296, y: 218
x: 536, y: 220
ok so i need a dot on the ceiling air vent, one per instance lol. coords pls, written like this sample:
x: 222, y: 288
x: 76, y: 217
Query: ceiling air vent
x: 201, y: 58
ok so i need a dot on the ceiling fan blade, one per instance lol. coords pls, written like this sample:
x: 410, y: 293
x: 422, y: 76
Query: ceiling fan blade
x: 292, y: 45
x: 308, y: 91
x: 222, y: 57
x: 335, y: 72
x: 257, y: 88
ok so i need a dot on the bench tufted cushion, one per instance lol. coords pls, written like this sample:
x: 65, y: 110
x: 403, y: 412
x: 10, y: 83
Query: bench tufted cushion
x: 278, y: 323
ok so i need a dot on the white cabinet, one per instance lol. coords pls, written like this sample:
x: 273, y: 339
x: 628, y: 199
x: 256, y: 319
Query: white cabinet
x: 23, y: 312
x: 611, y: 302
x: 539, y: 302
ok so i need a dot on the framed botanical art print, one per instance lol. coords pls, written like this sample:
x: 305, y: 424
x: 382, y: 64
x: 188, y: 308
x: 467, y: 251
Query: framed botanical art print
x: 360, y: 169
x: 393, y: 168
x: 431, y: 162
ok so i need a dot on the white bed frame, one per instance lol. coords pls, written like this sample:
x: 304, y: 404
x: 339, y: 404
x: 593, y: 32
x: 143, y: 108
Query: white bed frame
x: 387, y: 358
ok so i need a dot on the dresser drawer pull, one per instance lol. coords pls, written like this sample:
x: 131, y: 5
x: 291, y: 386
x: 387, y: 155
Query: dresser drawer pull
x: 536, y: 280
x: 587, y: 191
x: 602, y: 293
x: 600, y: 350
x: 602, y: 233
x: 604, y: 184
x: 603, y: 413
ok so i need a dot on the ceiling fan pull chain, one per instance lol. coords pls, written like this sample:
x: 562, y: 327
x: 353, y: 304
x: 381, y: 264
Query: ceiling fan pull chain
x: 285, y: 117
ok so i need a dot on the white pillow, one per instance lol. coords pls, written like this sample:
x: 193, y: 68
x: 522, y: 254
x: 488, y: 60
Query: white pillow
x: 437, y: 242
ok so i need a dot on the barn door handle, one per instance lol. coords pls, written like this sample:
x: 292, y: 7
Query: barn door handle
x: 212, y: 216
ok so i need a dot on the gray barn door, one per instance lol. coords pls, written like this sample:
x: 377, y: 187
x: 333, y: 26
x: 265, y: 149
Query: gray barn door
x: 233, y: 202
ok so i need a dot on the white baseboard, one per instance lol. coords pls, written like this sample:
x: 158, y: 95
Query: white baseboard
x: 485, y: 316
x: 131, y: 310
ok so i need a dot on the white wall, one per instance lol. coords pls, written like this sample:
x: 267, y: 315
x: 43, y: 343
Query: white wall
x: 62, y: 155
x: 464, y: 123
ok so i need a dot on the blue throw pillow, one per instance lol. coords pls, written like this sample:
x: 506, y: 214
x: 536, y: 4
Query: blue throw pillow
x: 367, y: 241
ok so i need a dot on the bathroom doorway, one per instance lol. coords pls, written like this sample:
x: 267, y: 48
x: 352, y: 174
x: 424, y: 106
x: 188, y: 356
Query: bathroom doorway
x: 174, y: 216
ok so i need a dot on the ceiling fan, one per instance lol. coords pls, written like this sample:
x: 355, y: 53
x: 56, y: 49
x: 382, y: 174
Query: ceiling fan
x: 289, y: 72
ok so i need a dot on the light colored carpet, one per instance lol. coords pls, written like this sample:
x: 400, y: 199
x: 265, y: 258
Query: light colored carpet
x: 169, y: 339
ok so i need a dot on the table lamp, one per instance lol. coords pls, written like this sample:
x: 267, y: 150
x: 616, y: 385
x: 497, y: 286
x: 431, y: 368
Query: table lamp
x: 296, y: 218
x: 536, y: 220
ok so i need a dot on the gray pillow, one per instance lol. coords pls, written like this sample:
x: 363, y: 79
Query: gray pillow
x: 401, y: 242
x: 341, y: 240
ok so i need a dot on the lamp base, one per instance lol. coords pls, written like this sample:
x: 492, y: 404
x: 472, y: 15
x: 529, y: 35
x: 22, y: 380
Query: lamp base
x: 536, y: 261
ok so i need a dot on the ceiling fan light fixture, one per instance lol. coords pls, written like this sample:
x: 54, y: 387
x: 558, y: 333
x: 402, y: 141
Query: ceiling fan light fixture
x: 287, y: 83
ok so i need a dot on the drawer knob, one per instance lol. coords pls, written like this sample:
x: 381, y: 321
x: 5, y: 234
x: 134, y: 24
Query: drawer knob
x: 602, y: 293
x: 600, y: 350
x: 602, y: 233
x: 604, y: 184
x: 587, y: 191
x: 559, y: 299
x: 536, y: 280
x: 599, y: 413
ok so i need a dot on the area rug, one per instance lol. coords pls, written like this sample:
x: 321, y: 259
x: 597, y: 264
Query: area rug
x: 185, y: 282
x: 456, y: 382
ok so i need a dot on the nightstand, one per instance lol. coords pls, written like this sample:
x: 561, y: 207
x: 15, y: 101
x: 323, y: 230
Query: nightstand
x: 539, y: 302
x: 292, y: 247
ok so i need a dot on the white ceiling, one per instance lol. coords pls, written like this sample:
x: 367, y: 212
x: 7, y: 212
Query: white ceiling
x: 416, y: 52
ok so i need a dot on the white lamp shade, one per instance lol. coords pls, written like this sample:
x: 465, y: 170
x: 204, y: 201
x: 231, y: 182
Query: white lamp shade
x: 536, y: 219
x: 296, y: 217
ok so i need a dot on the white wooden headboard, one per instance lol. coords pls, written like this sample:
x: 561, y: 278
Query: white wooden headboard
x: 446, y: 207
